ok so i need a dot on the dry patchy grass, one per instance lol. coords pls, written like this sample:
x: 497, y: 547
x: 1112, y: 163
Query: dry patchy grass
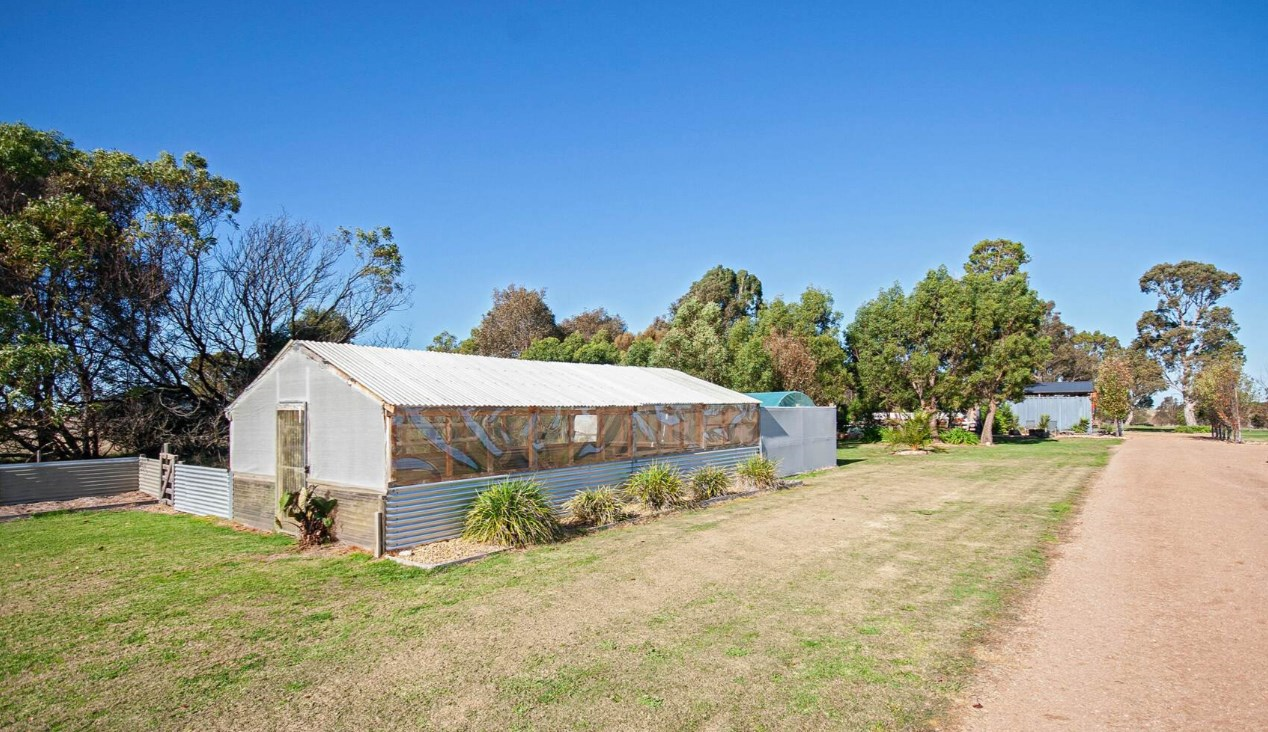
x: 852, y: 601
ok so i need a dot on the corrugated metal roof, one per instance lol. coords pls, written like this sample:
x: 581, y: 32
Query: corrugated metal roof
x: 413, y: 378
x: 1061, y: 387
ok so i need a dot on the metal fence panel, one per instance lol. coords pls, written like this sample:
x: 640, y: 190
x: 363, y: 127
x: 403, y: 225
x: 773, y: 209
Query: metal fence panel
x: 800, y: 439
x: 429, y: 512
x: 202, y: 491
x: 66, y: 479
x: 149, y: 476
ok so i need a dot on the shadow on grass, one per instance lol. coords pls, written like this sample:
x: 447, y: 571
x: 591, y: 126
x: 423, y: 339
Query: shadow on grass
x: 842, y: 462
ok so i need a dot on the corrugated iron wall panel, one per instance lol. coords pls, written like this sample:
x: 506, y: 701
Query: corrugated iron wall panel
x: 66, y: 479
x: 430, y: 512
x: 800, y: 439
x: 203, y: 491
x: 149, y: 476
x: 1064, y: 411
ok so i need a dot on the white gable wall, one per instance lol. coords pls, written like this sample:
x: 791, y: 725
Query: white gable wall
x: 347, y: 434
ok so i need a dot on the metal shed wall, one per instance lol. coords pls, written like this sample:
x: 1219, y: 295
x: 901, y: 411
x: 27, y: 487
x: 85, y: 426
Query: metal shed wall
x: 434, y: 511
x: 347, y: 433
x: 800, y: 439
x: 1065, y: 411
x: 67, y: 479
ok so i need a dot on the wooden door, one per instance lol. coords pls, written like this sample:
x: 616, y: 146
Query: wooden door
x: 292, y: 448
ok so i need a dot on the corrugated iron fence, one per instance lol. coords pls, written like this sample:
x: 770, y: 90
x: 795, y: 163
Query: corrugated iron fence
x: 67, y: 479
x: 430, y: 512
x: 197, y: 490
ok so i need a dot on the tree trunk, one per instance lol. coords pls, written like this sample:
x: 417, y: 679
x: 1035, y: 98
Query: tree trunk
x: 988, y: 424
x: 1190, y: 411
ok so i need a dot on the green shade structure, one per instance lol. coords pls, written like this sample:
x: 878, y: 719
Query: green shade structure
x: 782, y: 398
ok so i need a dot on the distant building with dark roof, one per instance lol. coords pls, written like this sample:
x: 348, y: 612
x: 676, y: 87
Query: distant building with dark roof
x: 1061, y: 388
x: 1065, y: 403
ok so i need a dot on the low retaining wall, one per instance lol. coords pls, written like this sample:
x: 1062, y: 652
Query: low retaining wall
x: 421, y: 514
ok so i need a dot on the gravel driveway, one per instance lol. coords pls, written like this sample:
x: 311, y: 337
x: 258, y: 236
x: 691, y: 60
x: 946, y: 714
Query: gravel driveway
x: 1156, y: 615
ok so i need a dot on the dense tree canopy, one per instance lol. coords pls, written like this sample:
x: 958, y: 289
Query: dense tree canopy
x: 518, y: 317
x: 130, y: 311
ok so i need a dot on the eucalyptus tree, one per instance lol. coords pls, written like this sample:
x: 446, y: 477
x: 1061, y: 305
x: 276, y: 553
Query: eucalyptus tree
x: 910, y: 351
x: 1187, y: 325
x: 1007, y: 344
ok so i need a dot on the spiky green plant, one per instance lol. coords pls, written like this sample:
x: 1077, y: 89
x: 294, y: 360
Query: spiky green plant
x: 709, y: 482
x: 596, y: 506
x: 513, y: 513
x: 311, y: 514
x: 913, y: 434
x: 757, y: 473
x: 657, y: 486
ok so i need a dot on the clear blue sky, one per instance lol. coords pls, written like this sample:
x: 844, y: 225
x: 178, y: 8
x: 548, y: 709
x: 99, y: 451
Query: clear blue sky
x: 611, y: 153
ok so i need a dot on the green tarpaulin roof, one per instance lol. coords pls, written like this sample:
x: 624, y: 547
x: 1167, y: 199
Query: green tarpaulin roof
x: 782, y: 399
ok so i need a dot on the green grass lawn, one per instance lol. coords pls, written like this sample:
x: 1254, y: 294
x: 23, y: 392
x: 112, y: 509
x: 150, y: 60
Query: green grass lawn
x: 853, y: 601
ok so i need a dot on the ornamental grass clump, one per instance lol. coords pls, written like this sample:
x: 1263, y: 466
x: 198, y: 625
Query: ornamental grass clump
x: 757, y: 473
x: 709, y: 482
x: 596, y: 507
x: 657, y: 486
x: 512, y: 513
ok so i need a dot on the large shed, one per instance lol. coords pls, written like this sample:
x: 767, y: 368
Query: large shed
x: 404, y: 439
x: 1065, y: 403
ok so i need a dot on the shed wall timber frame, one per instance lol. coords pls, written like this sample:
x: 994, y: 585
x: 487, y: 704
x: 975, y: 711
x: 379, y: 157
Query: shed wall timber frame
x: 437, y: 444
x: 429, y: 512
x: 67, y: 479
x: 346, y: 432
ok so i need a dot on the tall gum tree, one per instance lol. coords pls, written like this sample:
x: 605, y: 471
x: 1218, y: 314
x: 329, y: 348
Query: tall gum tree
x: 1187, y: 325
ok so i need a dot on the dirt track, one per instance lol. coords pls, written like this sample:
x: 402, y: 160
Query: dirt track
x: 1156, y: 615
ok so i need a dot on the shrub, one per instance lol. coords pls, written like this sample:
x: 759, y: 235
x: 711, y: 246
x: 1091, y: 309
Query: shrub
x: 596, y: 506
x: 658, y: 485
x: 757, y: 472
x: 959, y: 436
x: 1192, y: 429
x: 709, y: 482
x: 1005, y: 420
x: 514, y: 512
x: 914, y: 434
x: 312, y: 514
x: 1044, y: 422
x: 1081, y: 426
